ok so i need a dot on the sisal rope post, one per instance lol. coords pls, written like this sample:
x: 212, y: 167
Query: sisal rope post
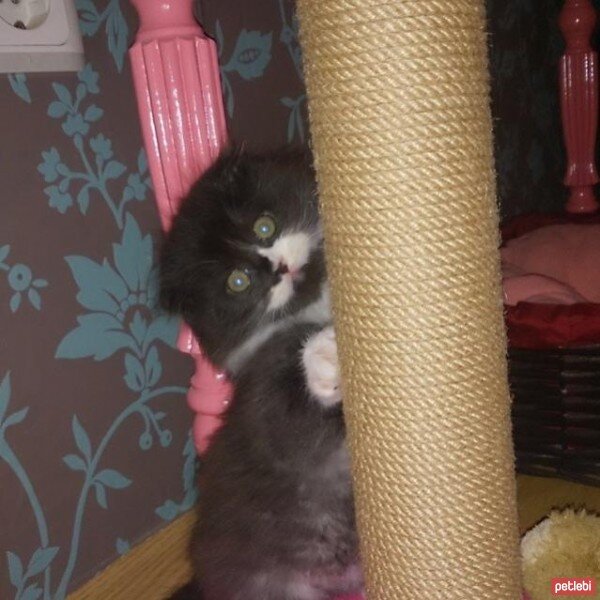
x: 399, y: 112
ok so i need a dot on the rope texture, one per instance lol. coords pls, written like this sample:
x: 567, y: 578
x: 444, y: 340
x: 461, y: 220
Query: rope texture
x: 398, y: 103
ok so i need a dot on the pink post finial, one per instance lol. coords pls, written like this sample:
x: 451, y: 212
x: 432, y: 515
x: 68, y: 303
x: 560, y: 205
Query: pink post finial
x: 579, y: 103
x: 165, y: 18
x: 178, y: 89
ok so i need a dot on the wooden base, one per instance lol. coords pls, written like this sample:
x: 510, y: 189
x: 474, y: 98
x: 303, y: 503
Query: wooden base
x: 537, y: 496
x: 149, y: 571
x: 160, y: 564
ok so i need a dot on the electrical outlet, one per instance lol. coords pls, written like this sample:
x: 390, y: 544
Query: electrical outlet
x: 39, y: 35
x: 24, y: 14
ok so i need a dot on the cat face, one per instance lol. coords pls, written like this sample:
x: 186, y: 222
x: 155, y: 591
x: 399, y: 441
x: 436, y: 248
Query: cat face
x: 245, y: 250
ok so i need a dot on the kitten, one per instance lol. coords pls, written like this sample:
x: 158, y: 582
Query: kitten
x: 244, y: 257
x: 243, y: 264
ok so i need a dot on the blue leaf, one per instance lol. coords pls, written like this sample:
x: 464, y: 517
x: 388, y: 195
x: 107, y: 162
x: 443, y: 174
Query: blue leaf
x: 4, y: 395
x: 63, y: 94
x: 15, y: 302
x: 18, y: 83
x: 63, y: 186
x: 4, y: 250
x: 112, y: 479
x: 189, y: 500
x: 251, y: 55
x: 122, y: 546
x: 81, y: 439
x: 31, y: 592
x: 93, y: 113
x: 164, y: 328
x: 57, y: 109
x: 41, y: 558
x: 133, y: 256
x: 287, y: 102
x: 168, y: 511
x: 89, y: 77
x: 142, y: 162
x: 80, y: 93
x: 117, y: 31
x: 83, y: 199
x: 114, y: 170
x: 15, y: 569
x: 152, y: 367
x: 98, y: 335
x: 16, y: 418
x: 89, y: 19
x: 34, y: 298
x: 134, y: 373
x: 100, y: 494
x: 190, y: 465
x: 75, y: 462
x: 100, y: 287
x: 57, y: 199
x: 138, y: 327
x: 86, y: 5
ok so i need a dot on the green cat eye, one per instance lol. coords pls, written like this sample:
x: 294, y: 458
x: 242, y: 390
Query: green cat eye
x: 265, y: 227
x: 238, y: 281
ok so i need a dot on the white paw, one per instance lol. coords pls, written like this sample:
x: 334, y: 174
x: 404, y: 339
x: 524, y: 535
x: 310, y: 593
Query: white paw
x: 320, y: 362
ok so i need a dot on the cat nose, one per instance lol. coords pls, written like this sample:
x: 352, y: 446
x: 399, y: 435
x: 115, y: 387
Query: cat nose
x: 282, y: 269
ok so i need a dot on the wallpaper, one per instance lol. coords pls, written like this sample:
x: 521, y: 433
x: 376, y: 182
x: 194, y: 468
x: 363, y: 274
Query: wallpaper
x: 95, y: 451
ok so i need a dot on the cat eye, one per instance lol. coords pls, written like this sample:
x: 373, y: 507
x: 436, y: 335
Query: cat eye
x: 238, y: 281
x: 265, y: 227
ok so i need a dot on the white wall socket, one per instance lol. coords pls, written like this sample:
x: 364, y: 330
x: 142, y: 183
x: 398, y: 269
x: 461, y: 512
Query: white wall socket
x: 39, y: 35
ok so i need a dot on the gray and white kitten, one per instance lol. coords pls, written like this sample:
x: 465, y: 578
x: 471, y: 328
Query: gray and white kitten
x: 243, y: 264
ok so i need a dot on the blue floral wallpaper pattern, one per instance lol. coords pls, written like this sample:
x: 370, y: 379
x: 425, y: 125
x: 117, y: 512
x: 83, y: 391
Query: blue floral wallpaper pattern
x: 95, y: 451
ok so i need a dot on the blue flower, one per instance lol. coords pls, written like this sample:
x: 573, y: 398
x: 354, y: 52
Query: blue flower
x: 101, y: 146
x: 116, y: 295
x: 61, y: 202
x: 21, y: 280
x: 75, y: 124
x: 48, y: 168
x: 89, y: 77
x: 251, y: 55
x: 136, y: 186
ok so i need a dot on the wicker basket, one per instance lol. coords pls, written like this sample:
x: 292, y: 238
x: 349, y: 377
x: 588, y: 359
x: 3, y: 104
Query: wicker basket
x: 556, y: 412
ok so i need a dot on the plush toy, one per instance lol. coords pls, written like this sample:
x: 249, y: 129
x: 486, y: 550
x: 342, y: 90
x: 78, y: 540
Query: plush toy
x: 564, y: 545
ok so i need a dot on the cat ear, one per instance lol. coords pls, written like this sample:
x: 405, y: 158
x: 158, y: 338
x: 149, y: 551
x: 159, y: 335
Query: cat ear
x: 229, y: 168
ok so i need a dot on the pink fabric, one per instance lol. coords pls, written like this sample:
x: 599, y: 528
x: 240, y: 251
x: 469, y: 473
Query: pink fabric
x: 556, y: 264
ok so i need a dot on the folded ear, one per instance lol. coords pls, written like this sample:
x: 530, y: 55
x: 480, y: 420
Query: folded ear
x: 228, y: 169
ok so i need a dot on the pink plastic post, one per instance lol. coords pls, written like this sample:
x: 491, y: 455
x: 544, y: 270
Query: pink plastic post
x: 176, y: 80
x: 579, y: 103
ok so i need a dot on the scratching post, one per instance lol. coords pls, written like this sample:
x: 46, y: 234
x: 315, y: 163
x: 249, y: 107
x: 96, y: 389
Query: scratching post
x: 398, y: 102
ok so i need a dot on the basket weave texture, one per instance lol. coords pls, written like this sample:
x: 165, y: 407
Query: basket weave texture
x: 556, y: 412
